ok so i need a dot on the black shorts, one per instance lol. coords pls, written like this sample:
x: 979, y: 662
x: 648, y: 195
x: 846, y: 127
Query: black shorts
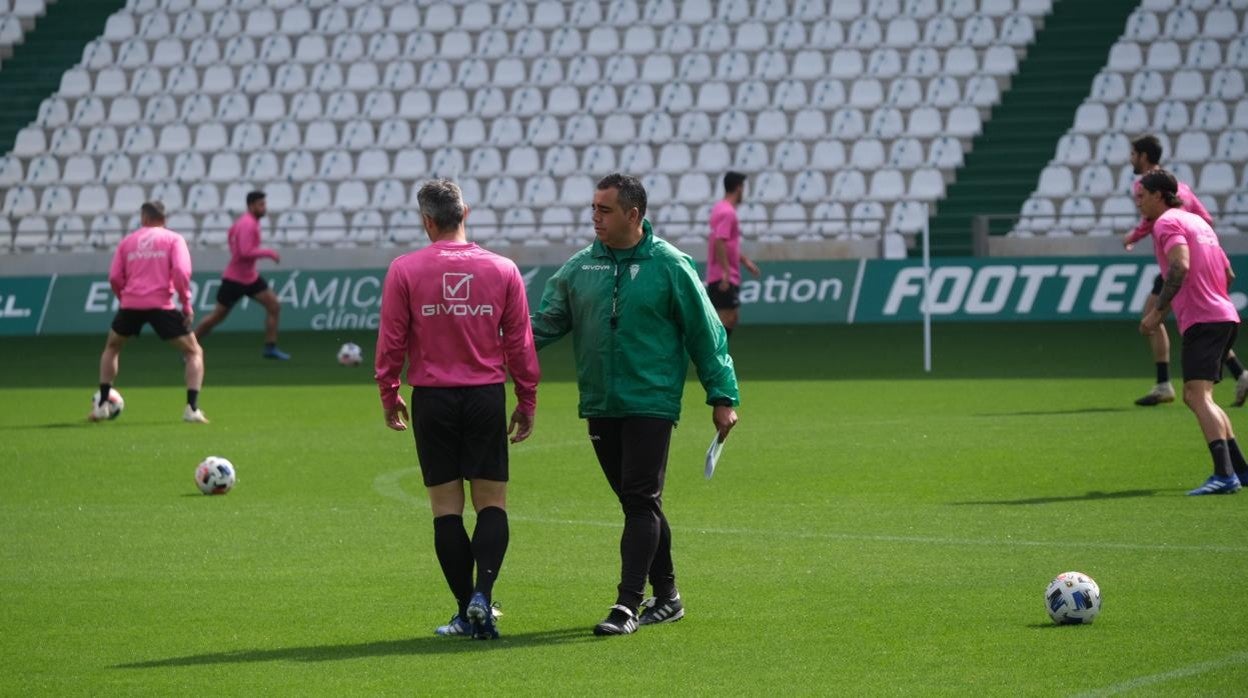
x: 231, y: 292
x: 1205, y: 346
x: 1157, y: 284
x: 724, y: 300
x: 461, y: 433
x: 169, y: 324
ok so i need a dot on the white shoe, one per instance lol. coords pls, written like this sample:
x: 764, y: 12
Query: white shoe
x: 1161, y: 393
x: 99, y: 413
x: 1241, y: 390
x: 194, y: 416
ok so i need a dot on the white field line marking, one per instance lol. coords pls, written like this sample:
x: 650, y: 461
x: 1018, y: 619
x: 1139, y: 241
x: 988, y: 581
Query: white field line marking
x: 388, y: 485
x: 546, y: 445
x: 1180, y: 673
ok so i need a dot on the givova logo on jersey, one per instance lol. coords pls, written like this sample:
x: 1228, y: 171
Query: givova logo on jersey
x: 457, y: 298
x: 147, y: 249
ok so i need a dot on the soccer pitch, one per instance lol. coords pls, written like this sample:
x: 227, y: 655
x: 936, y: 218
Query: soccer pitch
x: 870, y: 530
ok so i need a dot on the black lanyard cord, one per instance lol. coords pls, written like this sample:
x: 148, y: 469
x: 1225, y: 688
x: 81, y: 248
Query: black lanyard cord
x: 615, y: 289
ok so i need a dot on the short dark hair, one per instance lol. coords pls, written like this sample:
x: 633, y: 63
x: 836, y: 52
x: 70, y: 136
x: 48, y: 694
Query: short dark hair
x: 631, y: 193
x: 254, y: 196
x: 733, y: 181
x: 1149, y: 146
x: 1164, y: 182
x: 152, y: 211
x: 442, y: 200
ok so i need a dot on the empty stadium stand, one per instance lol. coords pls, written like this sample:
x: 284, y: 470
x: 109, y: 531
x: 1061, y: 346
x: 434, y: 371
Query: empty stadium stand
x: 343, y: 107
x: 1176, y: 71
x: 856, y: 119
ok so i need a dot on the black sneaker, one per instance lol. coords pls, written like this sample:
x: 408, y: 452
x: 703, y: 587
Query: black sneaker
x: 655, y: 611
x: 620, y: 621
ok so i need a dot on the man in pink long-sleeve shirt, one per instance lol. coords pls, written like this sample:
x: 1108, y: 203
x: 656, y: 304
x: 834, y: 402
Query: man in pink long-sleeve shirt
x: 1197, y: 286
x: 151, y: 266
x: 1146, y: 154
x: 459, y: 317
x: 240, y: 277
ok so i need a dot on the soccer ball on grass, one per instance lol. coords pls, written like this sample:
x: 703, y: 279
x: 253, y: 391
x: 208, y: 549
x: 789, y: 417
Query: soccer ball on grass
x: 215, y: 475
x: 350, y: 354
x: 111, y: 408
x: 1073, y: 598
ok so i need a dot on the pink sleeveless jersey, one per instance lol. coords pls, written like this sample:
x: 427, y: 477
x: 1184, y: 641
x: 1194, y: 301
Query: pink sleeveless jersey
x: 150, y: 266
x: 459, y: 316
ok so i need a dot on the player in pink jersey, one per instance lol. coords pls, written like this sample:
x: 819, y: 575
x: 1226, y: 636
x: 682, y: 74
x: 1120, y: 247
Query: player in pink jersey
x: 150, y: 267
x: 458, y: 315
x: 724, y: 257
x: 1197, y: 282
x: 1145, y: 157
x: 240, y: 277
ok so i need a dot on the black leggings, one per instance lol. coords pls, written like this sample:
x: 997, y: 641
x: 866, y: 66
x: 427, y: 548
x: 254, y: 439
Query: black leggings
x: 633, y: 454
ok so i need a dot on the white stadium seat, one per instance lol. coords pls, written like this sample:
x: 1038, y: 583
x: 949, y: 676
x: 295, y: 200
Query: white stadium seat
x: 926, y: 184
x: 1038, y: 215
x: 887, y: 185
x: 1095, y: 180
x: 1078, y: 214
x: 923, y: 61
x: 1193, y: 147
x: 1125, y: 57
x: 1216, y: 178
x: 1232, y: 145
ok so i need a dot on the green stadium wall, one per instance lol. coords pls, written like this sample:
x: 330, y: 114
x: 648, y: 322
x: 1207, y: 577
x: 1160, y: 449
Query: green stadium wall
x: 798, y: 292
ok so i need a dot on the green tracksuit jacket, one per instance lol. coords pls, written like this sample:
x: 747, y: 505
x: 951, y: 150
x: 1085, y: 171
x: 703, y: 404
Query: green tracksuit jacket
x: 662, y: 319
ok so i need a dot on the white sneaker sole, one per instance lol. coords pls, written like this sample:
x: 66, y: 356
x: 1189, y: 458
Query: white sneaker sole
x: 670, y: 619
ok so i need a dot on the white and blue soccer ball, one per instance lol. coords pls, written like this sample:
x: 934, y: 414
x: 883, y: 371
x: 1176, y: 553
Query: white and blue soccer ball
x: 1073, y: 598
x: 350, y: 354
x: 111, y: 408
x: 215, y: 475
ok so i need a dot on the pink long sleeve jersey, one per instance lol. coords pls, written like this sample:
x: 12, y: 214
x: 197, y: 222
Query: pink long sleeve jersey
x: 459, y: 316
x: 245, y: 250
x: 150, y: 266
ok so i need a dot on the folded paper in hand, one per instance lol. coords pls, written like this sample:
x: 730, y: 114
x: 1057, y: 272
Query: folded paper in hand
x: 712, y: 454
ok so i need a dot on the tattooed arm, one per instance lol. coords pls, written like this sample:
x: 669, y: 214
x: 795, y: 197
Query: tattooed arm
x: 1179, y: 260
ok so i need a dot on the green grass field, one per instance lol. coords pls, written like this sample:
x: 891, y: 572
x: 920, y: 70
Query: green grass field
x: 871, y: 530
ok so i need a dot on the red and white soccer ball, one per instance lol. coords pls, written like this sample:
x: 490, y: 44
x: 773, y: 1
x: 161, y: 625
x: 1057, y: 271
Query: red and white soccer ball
x: 215, y: 475
x: 1073, y: 598
x: 350, y: 354
x: 112, y: 407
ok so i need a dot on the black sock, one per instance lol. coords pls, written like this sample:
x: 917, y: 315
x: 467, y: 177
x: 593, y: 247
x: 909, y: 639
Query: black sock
x: 105, y: 389
x: 192, y: 399
x: 1163, y: 372
x: 1221, y: 458
x: 1237, y: 456
x: 270, y: 346
x: 489, y: 544
x: 1233, y: 365
x: 450, y: 542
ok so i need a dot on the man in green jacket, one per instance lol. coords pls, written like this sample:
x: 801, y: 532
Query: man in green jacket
x: 637, y: 313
